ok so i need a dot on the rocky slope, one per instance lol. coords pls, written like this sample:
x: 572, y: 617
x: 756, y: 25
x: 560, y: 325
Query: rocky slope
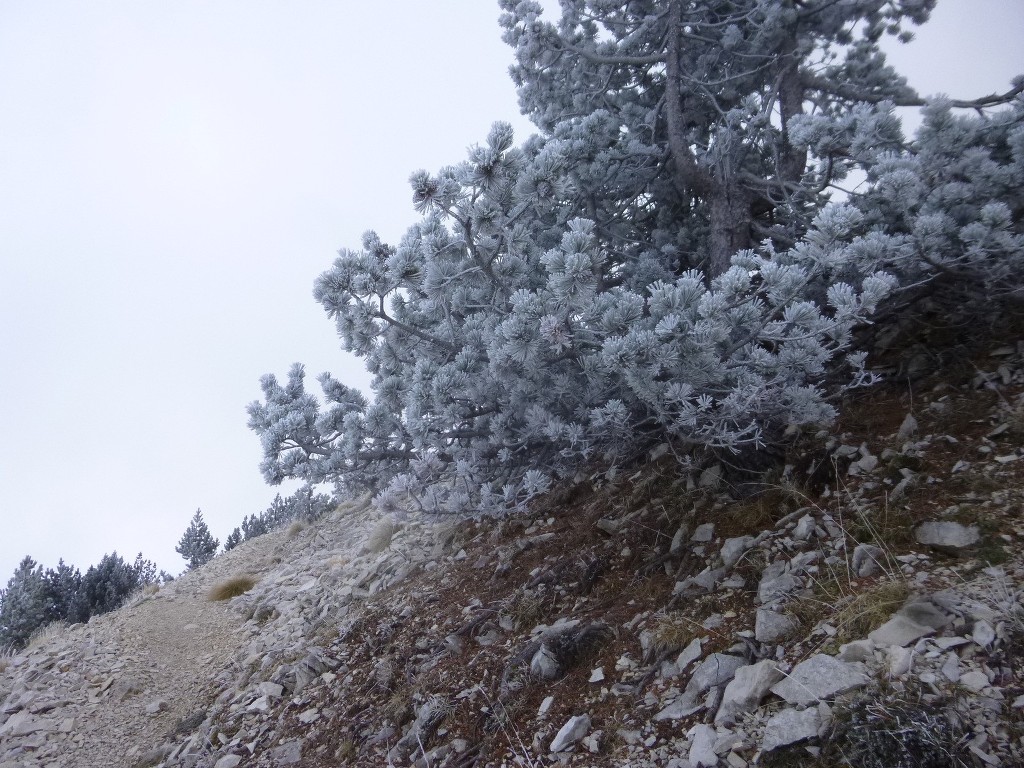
x: 863, y: 606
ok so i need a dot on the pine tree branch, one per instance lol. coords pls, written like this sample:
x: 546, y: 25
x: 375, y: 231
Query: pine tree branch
x: 383, y: 315
x: 853, y: 93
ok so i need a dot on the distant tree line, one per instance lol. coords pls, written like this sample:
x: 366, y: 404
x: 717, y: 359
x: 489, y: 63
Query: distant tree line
x: 35, y: 597
x: 303, y: 505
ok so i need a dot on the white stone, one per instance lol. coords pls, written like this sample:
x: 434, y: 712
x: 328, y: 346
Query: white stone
x: 804, y: 528
x: 946, y: 534
x: 900, y: 660
x: 733, y: 549
x: 818, y: 678
x: 702, y: 746
x: 983, y: 634
x: 772, y: 627
x: 688, y: 655
x: 899, y: 630
x: 745, y: 691
x: 574, y: 729
x: 975, y: 680
x: 704, y: 533
x: 790, y: 726
x: 597, y: 675
x: 545, y: 706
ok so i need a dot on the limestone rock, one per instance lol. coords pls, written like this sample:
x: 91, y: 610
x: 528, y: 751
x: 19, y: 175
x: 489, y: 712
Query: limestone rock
x: 947, y: 535
x: 777, y: 583
x: 702, y: 746
x: 733, y: 549
x: 575, y: 728
x: 790, y: 726
x: 866, y: 560
x: 704, y: 533
x: 288, y: 753
x: 899, y: 630
x: 745, y: 691
x: 772, y: 627
x: 858, y: 650
x: 545, y: 664
x: 716, y: 669
x: 820, y: 677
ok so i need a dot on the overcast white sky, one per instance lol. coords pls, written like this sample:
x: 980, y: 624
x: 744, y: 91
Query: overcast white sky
x: 174, y: 175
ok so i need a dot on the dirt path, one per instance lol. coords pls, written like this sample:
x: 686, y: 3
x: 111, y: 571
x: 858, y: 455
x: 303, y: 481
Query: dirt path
x: 108, y: 692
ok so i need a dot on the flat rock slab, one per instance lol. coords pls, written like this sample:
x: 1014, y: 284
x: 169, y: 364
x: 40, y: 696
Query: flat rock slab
x: 946, y: 534
x: 790, y: 726
x: 716, y: 669
x: 820, y: 677
x: 925, y: 612
x: 899, y: 630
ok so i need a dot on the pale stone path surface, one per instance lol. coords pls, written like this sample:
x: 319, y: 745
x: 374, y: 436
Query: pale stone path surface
x: 104, y: 693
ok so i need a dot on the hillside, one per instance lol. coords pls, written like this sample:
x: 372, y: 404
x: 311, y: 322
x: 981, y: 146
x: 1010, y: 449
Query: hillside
x: 865, y: 604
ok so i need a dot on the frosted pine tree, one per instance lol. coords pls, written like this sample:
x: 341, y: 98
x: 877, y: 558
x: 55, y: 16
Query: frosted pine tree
x: 197, y: 545
x: 25, y: 604
x: 662, y: 264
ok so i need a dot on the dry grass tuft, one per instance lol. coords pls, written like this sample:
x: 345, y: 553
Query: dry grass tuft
x: 295, y: 529
x: 854, y: 613
x: 756, y: 513
x: 669, y: 635
x: 6, y: 654
x: 381, y: 535
x: 233, y: 587
x: 46, y: 633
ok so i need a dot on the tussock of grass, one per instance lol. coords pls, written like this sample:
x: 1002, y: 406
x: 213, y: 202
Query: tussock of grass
x: 295, y: 529
x: 380, y: 537
x: 670, y: 635
x: 858, y: 612
x: 6, y: 654
x: 46, y: 633
x: 233, y: 587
